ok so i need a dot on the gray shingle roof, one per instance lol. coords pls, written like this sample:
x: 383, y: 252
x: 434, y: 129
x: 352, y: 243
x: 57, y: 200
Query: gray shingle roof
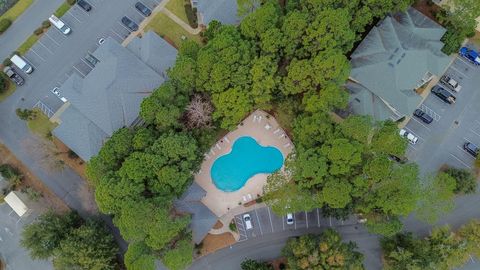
x: 202, y: 218
x: 147, y: 48
x: 108, y: 98
x: 224, y: 11
x: 392, y: 60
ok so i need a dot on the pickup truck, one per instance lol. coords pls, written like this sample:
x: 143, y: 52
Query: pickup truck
x: 443, y: 94
x: 13, y: 75
x: 450, y: 83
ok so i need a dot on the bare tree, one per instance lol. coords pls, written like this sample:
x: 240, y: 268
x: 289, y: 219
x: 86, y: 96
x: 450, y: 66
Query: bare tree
x: 199, y: 112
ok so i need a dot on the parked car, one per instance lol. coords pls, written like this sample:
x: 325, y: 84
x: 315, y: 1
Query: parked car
x: 60, y: 25
x: 423, y: 116
x: 248, y: 221
x: 84, y: 5
x: 91, y: 59
x: 143, y: 9
x: 471, y: 55
x: 443, y: 94
x: 450, y: 83
x: 129, y: 23
x: 56, y: 92
x: 21, y: 64
x: 410, y: 137
x: 289, y: 218
x: 13, y: 75
x: 471, y: 148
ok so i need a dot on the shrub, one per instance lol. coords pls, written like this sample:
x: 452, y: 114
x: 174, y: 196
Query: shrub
x: 7, y: 62
x: 71, y: 2
x: 452, y: 41
x: 191, y: 15
x: 232, y: 226
x: 46, y: 24
x: 4, y: 25
x: 32, y: 194
x: 38, y: 31
x: 3, y: 84
x: 465, y: 180
x: 72, y: 154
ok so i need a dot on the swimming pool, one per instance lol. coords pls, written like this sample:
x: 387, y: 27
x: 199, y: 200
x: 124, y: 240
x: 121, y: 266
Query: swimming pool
x: 230, y: 172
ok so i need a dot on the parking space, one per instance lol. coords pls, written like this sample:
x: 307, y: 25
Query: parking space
x: 264, y: 221
x: 441, y: 142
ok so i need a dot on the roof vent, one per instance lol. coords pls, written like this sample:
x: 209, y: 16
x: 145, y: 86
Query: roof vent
x: 390, y: 64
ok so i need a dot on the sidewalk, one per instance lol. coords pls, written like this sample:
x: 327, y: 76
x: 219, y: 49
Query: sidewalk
x: 24, y: 25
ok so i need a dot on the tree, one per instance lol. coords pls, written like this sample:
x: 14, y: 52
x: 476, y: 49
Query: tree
x: 43, y: 237
x: 89, y: 247
x: 437, y: 197
x: 470, y: 232
x: 358, y: 127
x: 388, y: 141
x: 199, y: 113
x: 264, y: 81
x: 465, y: 181
x: 312, y: 129
x: 179, y: 256
x: 337, y: 193
x: 231, y: 106
x: 139, y: 257
x: 264, y: 18
x: 343, y: 156
x: 250, y: 264
x: 143, y: 138
x: 245, y: 7
x: 324, y: 251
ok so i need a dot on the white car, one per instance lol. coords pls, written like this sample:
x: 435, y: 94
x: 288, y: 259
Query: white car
x: 410, y: 137
x: 289, y: 218
x: 56, y: 92
x: 450, y: 83
x: 248, y: 221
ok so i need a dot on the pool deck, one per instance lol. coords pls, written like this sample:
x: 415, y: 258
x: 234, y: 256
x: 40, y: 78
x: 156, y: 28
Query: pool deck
x: 265, y: 129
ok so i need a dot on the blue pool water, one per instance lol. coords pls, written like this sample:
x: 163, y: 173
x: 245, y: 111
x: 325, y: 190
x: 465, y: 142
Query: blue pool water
x: 230, y: 172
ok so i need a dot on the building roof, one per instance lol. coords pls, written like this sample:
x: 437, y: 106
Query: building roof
x: 109, y: 97
x: 202, y: 218
x: 147, y: 48
x: 224, y: 11
x: 393, y: 59
x: 14, y: 200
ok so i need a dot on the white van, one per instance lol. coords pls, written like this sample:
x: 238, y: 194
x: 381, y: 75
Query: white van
x: 21, y: 64
x: 60, y: 25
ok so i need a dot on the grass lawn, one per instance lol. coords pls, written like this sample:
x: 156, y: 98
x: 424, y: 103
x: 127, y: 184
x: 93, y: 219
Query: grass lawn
x: 16, y: 10
x: 164, y: 26
x: 27, y: 44
x: 10, y: 89
x: 41, y: 126
x: 62, y: 9
x: 178, y: 8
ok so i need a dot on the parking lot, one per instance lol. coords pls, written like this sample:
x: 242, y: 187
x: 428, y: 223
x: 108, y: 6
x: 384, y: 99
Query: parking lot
x: 45, y: 52
x: 15, y: 256
x: 264, y: 222
x: 441, y: 142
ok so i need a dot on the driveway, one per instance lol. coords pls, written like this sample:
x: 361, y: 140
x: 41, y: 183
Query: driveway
x: 24, y: 25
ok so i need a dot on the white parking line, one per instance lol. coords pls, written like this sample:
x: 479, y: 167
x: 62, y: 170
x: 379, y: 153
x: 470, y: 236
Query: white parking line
x: 457, y: 70
x: 421, y: 123
x: 455, y: 157
x: 283, y: 222
x: 70, y: 13
x: 143, y: 16
x: 270, y: 217
x: 258, y: 219
x: 306, y: 218
x: 31, y: 49
x: 40, y: 42
x: 318, y: 218
x: 79, y: 71
x: 87, y: 63
x: 53, y: 40
x: 125, y: 26
x: 464, y: 61
x: 474, y: 132
x: 330, y: 221
x: 118, y: 35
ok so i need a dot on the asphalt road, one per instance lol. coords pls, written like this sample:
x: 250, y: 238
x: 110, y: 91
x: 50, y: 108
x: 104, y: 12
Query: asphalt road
x: 24, y: 25
x: 269, y: 247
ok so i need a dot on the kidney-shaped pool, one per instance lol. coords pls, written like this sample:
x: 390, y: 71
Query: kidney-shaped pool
x: 230, y: 172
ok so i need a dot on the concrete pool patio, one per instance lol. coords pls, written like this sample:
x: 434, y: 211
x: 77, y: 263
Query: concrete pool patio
x: 266, y: 131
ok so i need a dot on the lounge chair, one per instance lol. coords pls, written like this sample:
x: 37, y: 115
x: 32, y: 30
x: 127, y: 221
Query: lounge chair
x: 276, y: 131
x: 268, y: 127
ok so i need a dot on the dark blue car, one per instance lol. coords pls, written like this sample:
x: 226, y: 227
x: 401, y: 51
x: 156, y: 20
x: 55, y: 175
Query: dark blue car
x: 470, y: 55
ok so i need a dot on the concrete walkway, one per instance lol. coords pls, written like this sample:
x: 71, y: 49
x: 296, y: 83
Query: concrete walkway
x: 24, y: 25
x: 180, y: 22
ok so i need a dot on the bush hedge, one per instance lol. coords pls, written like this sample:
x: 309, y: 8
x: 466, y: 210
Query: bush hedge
x: 38, y: 31
x: 3, y: 84
x: 4, y: 25
x: 71, y: 2
x: 46, y: 24
x: 191, y: 15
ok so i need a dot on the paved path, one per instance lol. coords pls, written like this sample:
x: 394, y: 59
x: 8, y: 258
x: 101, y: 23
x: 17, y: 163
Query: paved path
x: 24, y: 25
x: 180, y: 22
